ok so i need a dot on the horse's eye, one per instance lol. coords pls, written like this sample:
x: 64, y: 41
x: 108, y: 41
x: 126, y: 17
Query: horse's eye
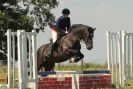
x: 91, y: 35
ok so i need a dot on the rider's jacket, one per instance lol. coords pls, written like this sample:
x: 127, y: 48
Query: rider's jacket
x: 63, y: 24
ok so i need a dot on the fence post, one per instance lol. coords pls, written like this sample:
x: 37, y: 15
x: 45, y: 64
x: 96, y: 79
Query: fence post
x: 20, y: 70
x: 108, y: 48
x: 9, y: 57
x: 123, y: 57
x: 116, y: 55
x: 23, y: 56
x: 34, y: 60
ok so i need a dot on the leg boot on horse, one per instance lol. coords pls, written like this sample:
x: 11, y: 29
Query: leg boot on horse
x: 78, y: 57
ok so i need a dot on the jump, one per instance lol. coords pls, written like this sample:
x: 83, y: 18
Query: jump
x: 69, y: 46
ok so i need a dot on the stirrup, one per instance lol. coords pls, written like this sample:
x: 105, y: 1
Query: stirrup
x: 48, y: 55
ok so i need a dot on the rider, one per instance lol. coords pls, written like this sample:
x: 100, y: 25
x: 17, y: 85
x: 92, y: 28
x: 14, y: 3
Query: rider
x: 62, y: 24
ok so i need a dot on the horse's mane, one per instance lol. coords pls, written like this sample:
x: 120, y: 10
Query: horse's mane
x: 76, y: 26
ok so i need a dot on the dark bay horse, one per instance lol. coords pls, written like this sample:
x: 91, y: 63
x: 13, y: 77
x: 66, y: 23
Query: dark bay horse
x: 69, y: 46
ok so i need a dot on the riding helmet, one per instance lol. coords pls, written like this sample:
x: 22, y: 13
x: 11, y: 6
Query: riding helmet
x: 66, y: 11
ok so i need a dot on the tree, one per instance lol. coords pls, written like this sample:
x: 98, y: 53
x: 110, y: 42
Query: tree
x: 23, y: 14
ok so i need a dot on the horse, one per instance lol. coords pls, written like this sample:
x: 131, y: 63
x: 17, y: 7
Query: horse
x: 69, y: 47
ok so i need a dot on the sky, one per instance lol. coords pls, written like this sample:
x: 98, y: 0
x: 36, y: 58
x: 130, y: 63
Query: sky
x: 104, y: 15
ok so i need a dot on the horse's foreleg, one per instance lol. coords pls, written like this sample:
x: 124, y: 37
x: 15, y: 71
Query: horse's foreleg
x: 78, y: 57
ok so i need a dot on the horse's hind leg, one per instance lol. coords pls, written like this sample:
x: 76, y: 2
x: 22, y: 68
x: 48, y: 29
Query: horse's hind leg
x: 49, y: 66
x: 40, y: 67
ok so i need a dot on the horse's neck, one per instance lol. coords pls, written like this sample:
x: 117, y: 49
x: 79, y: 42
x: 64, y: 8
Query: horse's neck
x: 77, y: 34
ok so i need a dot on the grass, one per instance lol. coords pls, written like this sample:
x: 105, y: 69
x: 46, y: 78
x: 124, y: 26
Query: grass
x: 77, y: 67
x: 3, y: 71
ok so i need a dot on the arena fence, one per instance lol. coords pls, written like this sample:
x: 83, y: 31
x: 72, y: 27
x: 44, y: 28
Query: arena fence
x: 120, y: 56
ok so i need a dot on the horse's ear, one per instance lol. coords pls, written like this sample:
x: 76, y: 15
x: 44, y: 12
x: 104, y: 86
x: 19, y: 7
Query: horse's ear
x: 94, y: 29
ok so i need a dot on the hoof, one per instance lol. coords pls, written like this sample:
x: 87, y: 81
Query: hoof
x: 73, y: 60
x: 76, y: 60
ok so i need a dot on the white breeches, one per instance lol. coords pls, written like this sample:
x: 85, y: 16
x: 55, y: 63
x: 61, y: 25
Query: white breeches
x: 54, y: 36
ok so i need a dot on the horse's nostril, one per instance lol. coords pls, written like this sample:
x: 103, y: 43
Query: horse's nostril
x: 89, y: 48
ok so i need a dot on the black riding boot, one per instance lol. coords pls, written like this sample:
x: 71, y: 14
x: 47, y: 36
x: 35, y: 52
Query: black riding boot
x: 52, y: 48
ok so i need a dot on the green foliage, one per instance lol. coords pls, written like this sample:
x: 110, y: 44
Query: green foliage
x: 23, y: 14
x: 40, y: 10
x: 26, y: 14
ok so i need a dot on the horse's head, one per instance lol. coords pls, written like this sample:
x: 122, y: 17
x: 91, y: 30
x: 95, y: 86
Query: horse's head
x: 85, y: 33
x: 88, y: 37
